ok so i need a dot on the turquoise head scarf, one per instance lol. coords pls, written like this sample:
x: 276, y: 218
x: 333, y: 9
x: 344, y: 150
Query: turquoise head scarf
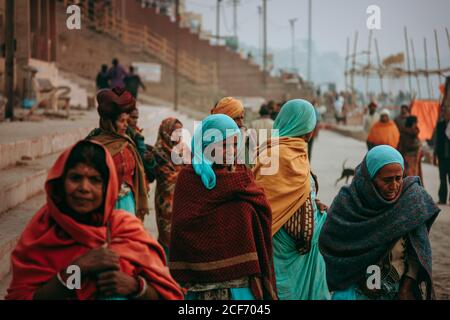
x: 213, y: 129
x: 296, y: 118
x: 381, y: 156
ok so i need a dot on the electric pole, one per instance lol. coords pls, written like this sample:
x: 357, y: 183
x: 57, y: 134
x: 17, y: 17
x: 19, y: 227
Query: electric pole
x: 260, y: 33
x: 265, y: 42
x: 309, y: 40
x: 177, y: 27
x: 235, y: 22
x: 9, y: 59
x: 218, y: 22
x: 292, y: 22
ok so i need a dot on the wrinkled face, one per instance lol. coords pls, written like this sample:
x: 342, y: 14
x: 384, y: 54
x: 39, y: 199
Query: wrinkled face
x: 226, y: 151
x: 389, y: 180
x: 133, y: 119
x: 240, y: 120
x: 177, y: 134
x: 384, y: 118
x: 83, y: 186
x: 121, y: 123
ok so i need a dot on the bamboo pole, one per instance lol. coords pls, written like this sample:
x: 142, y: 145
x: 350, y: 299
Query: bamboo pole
x: 415, y: 68
x: 438, y: 56
x: 448, y: 37
x: 355, y: 46
x: 380, y: 74
x: 368, y: 62
x: 347, y: 56
x: 408, y: 61
x: 426, y: 67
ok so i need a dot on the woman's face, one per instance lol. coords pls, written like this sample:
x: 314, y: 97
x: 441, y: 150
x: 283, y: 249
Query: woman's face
x: 389, y: 180
x: 240, y: 120
x: 133, y: 119
x: 177, y: 133
x: 83, y: 186
x: 121, y: 123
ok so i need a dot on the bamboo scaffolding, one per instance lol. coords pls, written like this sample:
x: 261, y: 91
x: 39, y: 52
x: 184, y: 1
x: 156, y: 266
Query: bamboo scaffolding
x: 415, y: 68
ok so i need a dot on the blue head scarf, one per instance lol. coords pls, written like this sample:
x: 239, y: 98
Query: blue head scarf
x: 296, y: 118
x: 381, y: 156
x: 213, y: 129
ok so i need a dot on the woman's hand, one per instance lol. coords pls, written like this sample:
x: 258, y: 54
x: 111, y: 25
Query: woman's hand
x: 117, y: 283
x: 406, y: 291
x: 98, y: 260
x: 322, y: 207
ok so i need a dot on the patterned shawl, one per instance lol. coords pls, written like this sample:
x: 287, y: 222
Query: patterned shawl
x: 222, y: 234
x: 361, y: 227
x: 166, y: 175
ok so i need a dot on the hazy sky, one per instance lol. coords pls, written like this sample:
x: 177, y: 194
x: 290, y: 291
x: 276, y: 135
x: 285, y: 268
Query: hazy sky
x: 334, y: 21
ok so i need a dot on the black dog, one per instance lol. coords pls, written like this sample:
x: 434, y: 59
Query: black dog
x: 346, y: 173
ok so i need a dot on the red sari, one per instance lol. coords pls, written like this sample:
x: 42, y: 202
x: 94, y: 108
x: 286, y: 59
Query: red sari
x: 53, y: 240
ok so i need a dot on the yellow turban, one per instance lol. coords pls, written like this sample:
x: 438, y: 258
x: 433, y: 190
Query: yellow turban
x: 230, y: 106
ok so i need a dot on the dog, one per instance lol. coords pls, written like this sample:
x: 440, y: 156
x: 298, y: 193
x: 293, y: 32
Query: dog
x: 346, y: 173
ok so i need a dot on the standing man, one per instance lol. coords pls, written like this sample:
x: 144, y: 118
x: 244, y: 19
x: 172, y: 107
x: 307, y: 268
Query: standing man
x: 442, y: 158
x: 133, y: 82
x: 117, y: 75
x: 102, y: 80
x: 371, y: 118
x: 263, y: 123
x: 401, y: 119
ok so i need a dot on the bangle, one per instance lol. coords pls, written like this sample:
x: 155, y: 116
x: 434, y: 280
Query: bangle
x: 143, y: 286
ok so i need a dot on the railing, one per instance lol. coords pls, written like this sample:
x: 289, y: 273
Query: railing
x: 102, y: 19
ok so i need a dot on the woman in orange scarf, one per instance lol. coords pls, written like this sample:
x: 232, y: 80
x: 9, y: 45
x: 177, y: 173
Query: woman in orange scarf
x: 384, y: 132
x: 78, y: 229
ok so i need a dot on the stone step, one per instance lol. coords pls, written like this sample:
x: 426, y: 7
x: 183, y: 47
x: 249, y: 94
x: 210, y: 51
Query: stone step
x: 22, y: 182
x: 12, y: 224
x: 40, y: 146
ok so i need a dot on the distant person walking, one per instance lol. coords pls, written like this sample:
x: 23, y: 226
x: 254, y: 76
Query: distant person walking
x: 117, y: 75
x: 102, y: 81
x: 384, y: 132
x: 133, y: 82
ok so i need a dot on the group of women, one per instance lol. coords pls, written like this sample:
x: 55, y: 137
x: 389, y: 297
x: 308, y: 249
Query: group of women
x: 226, y: 230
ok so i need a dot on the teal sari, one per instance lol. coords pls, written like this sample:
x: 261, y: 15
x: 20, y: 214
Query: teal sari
x: 301, y: 277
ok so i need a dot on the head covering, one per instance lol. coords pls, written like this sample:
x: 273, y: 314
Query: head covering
x: 230, y: 106
x: 213, y: 129
x: 113, y: 102
x: 381, y: 156
x: 296, y: 118
x: 362, y: 227
x: 385, y: 112
x: 53, y: 240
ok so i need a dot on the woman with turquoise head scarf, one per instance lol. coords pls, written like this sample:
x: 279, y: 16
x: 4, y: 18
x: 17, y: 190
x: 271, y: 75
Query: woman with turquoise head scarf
x: 297, y: 213
x: 375, y: 240
x: 221, y: 246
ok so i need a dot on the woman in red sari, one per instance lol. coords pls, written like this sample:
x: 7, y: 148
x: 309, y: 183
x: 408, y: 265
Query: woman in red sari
x: 78, y: 226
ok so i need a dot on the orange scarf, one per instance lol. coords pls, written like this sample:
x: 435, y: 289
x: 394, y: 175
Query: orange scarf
x: 288, y: 188
x: 53, y: 240
x: 384, y: 134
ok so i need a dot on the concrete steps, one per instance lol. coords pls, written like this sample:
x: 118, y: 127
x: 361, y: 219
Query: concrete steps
x: 22, y: 182
x: 12, y: 223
